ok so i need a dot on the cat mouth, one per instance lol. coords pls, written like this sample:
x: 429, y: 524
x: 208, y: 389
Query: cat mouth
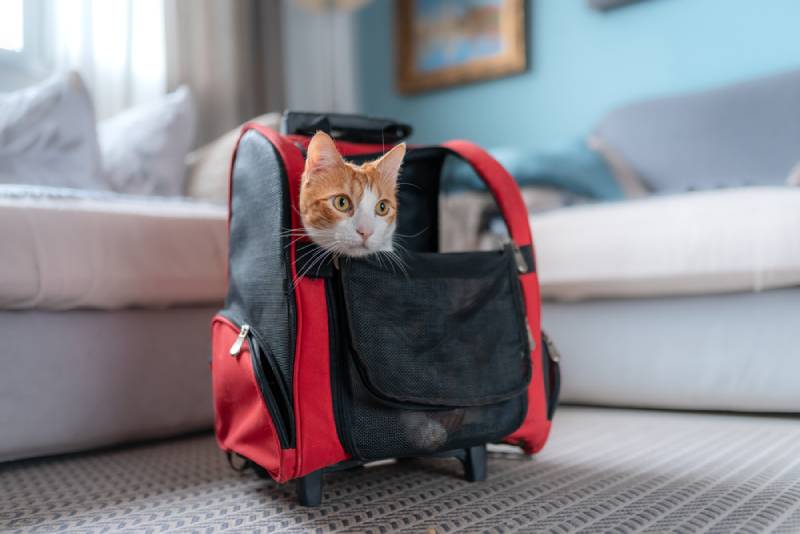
x: 359, y: 250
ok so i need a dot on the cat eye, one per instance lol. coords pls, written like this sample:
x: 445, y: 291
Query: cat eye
x: 342, y: 202
x: 382, y: 208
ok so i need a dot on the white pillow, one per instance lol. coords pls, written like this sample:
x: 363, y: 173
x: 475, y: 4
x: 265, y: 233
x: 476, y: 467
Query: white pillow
x: 48, y: 136
x: 794, y: 176
x: 144, y: 148
x: 209, y: 164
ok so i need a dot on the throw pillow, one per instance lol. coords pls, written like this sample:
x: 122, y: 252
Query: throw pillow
x: 144, y: 148
x: 48, y: 136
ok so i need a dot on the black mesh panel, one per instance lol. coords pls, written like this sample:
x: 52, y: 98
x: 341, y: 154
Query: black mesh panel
x: 438, y: 359
x: 258, y: 264
x: 380, y: 430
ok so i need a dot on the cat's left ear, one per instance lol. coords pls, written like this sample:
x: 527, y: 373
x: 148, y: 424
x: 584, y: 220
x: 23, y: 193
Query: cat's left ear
x: 389, y: 165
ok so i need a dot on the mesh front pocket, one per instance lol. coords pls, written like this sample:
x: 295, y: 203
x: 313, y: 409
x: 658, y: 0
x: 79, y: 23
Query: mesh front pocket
x: 438, y: 357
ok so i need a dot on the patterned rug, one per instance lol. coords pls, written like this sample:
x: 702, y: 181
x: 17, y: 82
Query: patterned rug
x: 603, y: 471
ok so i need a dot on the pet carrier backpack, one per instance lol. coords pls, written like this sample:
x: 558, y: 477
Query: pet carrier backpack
x: 358, y: 360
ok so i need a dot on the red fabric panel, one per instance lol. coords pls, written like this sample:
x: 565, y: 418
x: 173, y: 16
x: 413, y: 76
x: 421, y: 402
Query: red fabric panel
x: 242, y: 423
x: 317, y: 440
x: 533, y: 432
x: 502, y: 186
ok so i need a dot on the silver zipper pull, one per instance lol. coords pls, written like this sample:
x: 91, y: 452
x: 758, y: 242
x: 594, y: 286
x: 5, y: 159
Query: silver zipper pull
x: 531, y: 341
x: 519, y: 259
x: 555, y: 356
x: 236, y: 348
x: 522, y: 265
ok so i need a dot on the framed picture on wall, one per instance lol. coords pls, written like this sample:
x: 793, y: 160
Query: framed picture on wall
x: 446, y: 42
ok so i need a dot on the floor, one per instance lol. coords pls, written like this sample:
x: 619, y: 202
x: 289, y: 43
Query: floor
x: 603, y: 470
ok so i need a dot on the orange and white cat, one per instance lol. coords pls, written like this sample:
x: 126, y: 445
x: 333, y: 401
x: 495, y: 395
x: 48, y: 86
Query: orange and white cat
x: 349, y: 209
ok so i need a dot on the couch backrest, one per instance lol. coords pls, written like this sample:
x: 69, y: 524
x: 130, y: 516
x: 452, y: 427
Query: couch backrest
x: 745, y: 134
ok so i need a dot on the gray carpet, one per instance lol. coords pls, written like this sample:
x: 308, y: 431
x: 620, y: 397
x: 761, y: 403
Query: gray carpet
x: 604, y: 470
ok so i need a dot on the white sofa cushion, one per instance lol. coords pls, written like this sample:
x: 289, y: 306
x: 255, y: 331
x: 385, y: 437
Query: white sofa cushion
x: 743, y: 239
x: 65, y: 249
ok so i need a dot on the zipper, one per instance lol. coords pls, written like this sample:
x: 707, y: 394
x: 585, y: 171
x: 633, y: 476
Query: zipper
x: 555, y: 356
x: 269, y: 383
x: 236, y: 348
x: 519, y: 259
x: 338, y: 361
x: 551, y: 374
x: 531, y: 340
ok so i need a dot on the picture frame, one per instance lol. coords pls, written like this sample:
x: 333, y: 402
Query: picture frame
x: 441, y: 43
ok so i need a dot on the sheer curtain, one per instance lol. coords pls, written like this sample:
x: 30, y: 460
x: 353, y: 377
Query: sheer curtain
x: 118, y: 46
x: 229, y: 54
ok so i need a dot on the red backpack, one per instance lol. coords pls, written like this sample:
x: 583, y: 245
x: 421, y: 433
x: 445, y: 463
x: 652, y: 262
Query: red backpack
x: 358, y: 359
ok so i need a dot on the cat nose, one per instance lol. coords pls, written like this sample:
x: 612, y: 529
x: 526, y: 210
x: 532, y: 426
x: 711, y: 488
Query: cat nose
x: 364, y: 232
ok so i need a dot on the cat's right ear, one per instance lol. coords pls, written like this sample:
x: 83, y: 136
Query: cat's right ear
x: 322, y: 154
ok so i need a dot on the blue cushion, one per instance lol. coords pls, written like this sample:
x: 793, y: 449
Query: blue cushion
x: 576, y: 168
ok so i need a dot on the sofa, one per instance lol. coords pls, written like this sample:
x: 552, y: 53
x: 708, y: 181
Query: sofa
x: 688, y: 296
x: 667, y: 248
x: 112, y: 264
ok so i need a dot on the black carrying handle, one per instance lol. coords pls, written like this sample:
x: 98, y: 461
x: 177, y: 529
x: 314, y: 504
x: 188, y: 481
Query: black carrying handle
x: 345, y: 127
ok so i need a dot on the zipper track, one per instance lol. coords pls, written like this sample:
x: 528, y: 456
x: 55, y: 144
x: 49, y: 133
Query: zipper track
x: 552, y: 374
x: 338, y: 362
x: 270, y: 385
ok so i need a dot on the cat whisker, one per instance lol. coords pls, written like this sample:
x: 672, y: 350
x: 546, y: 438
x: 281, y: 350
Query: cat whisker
x: 396, y: 260
x: 308, y: 254
x: 290, y: 231
x: 399, y: 246
x: 295, y: 240
x: 378, y: 257
x: 412, y: 235
x: 320, y: 256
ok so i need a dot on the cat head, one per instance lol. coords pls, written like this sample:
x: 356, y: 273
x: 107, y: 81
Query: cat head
x: 346, y: 208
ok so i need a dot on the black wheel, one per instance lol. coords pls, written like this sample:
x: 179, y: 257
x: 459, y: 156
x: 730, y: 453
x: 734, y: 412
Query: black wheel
x: 309, y: 489
x: 475, y: 463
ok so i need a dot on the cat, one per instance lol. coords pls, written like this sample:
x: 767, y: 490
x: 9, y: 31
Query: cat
x: 351, y: 210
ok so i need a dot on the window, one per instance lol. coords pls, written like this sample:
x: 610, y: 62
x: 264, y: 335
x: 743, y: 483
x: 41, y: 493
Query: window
x: 11, y: 25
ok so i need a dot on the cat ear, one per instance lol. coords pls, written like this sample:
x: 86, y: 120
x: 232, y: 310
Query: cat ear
x: 389, y: 164
x: 322, y: 154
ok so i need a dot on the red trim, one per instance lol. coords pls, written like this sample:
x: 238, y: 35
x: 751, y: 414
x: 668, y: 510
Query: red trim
x: 532, y: 434
x: 313, y: 400
x: 501, y: 184
x: 241, y: 423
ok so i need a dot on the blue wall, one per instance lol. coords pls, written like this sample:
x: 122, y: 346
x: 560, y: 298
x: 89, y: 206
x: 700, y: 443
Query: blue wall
x: 583, y: 62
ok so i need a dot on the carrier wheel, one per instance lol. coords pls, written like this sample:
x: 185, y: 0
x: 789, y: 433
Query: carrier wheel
x: 475, y: 463
x: 309, y: 489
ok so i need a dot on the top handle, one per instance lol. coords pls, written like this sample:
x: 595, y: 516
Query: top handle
x: 504, y: 189
x: 345, y: 127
